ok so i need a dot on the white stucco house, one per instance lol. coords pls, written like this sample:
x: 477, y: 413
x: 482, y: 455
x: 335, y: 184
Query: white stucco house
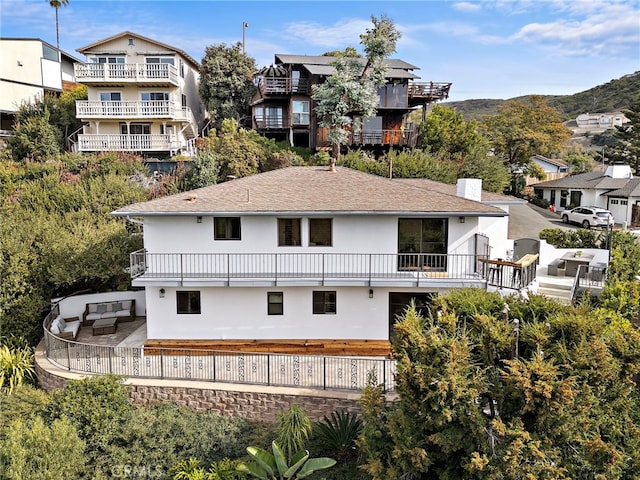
x: 601, y: 121
x: 615, y: 189
x: 30, y: 69
x: 307, y: 255
x: 142, y: 97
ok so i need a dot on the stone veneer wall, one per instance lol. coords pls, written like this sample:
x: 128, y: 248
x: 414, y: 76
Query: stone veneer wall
x: 252, y: 402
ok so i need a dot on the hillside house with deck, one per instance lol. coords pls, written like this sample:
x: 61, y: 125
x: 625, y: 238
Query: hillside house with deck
x: 283, y: 109
x: 305, y: 259
x: 142, y: 97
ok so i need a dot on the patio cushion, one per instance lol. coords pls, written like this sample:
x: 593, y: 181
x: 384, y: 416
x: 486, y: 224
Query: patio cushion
x: 102, y: 308
x: 55, y: 327
x: 62, y: 324
x: 108, y: 315
x: 93, y: 316
x: 123, y: 313
x: 93, y: 308
x: 117, y: 306
x: 126, y: 305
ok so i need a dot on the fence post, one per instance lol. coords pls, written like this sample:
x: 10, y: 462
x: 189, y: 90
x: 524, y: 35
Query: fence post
x: 324, y: 373
x: 110, y: 364
x: 268, y: 369
x: 161, y: 365
x: 68, y: 356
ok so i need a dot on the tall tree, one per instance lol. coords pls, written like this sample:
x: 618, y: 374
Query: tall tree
x: 57, y: 4
x: 352, y: 88
x: 522, y: 129
x: 226, y: 83
x: 627, y: 148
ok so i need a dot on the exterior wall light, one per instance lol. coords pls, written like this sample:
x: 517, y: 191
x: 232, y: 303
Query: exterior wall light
x: 162, y: 292
x: 199, y: 219
x: 371, y: 293
x: 461, y: 219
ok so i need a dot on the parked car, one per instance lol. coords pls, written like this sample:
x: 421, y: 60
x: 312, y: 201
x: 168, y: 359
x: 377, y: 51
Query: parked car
x: 588, y: 217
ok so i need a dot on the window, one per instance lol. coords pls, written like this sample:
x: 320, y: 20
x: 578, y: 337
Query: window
x: 300, y: 113
x: 154, y: 96
x: 181, y: 69
x: 49, y: 53
x: 131, y: 42
x: 324, y: 303
x: 188, y: 302
x: 184, y: 101
x: 226, y: 228
x: 320, y: 232
x: 275, y: 303
x: 168, y: 60
x: 107, y: 59
x: 289, y: 232
x: 422, y: 242
x: 110, y: 96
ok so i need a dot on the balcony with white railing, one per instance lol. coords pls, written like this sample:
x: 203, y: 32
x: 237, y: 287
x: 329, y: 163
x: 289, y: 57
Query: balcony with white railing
x: 160, y: 109
x: 126, y: 143
x: 271, y: 269
x: 152, y: 74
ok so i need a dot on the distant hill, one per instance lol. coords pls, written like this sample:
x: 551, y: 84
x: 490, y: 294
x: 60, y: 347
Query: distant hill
x: 611, y: 96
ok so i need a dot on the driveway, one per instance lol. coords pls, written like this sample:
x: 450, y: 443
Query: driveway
x: 527, y: 220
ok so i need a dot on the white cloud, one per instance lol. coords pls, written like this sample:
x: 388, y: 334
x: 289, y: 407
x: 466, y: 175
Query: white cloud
x: 467, y: 7
x: 342, y: 34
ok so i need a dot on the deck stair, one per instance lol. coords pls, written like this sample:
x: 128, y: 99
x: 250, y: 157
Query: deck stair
x: 558, y: 288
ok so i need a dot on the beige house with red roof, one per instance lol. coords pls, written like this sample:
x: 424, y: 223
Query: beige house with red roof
x: 305, y: 256
x: 142, y: 97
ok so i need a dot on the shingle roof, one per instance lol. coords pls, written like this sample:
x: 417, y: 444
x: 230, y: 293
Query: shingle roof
x: 311, y: 190
x: 326, y: 60
x: 552, y: 161
x: 631, y: 189
x: 586, y: 180
x: 450, y: 189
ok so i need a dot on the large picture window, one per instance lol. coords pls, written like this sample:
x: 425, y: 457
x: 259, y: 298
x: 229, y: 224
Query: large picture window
x: 320, y: 232
x: 300, y: 112
x: 324, y: 303
x: 226, y: 228
x: 289, y: 232
x: 188, y: 302
x: 275, y: 303
x: 422, y: 242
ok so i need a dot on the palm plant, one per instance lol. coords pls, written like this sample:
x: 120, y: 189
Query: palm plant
x: 294, y: 430
x: 16, y: 366
x: 57, y: 4
x: 339, y: 433
x: 267, y: 466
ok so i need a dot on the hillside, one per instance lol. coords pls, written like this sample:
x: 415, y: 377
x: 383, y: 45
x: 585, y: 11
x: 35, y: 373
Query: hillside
x: 614, y: 95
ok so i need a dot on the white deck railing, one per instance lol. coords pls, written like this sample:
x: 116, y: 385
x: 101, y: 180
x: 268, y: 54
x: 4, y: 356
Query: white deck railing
x: 133, y: 143
x: 126, y: 72
x: 147, y: 109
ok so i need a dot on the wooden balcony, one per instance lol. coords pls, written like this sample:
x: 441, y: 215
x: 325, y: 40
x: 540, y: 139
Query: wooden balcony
x: 393, y: 138
x: 143, y: 74
x: 134, y: 110
x: 277, y: 86
x: 126, y: 143
x: 306, y: 269
x: 271, y: 122
x: 421, y: 93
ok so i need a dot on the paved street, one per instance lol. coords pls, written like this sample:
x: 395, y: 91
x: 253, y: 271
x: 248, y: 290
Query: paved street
x: 527, y: 220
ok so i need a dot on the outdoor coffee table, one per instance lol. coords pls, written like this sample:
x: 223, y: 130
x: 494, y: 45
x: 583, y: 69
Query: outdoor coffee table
x: 104, y: 326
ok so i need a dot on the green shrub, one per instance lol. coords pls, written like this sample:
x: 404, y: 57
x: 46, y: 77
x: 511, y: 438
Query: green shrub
x: 294, y: 430
x: 30, y: 449
x: 338, y: 434
x: 16, y: 367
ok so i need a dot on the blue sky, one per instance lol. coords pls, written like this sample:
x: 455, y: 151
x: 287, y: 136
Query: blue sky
x: 487, y: 49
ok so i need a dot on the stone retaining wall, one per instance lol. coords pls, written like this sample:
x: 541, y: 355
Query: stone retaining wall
x: 252, y: 402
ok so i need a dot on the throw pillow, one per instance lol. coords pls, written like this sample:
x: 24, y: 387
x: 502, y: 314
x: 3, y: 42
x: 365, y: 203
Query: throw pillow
x: 102, y: 308
x: 117, y: 307
x: 93, y: 308
x: 55, y: 328
x: 62, y: 325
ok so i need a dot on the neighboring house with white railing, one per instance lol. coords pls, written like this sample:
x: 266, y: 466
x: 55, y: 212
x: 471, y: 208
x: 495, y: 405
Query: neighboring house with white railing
x: 601, y: 121
x: 142, y: 97
x: 306, y: 259
x: 30, y: 69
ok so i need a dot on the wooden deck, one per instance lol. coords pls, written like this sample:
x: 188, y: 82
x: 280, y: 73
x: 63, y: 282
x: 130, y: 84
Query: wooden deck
x: 364, y: 348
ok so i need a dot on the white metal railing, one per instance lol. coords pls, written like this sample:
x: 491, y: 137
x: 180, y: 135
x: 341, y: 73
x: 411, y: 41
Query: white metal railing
x: 135, y: 143
x: 135, y: 72
x: 143, y: 109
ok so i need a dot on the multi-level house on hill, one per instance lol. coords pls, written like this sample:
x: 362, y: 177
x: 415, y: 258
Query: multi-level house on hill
x: 30, y: 69
x: 307, y: 259
x: 282, y: 107
x: 142, y: 97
